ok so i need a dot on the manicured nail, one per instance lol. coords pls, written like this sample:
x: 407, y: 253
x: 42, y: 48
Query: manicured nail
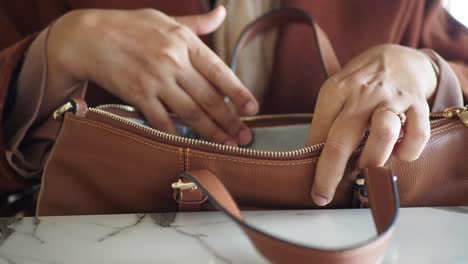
x: 250, y: 108
x: 230, y: 143
x: 244, y: 136
x: 320, y: 200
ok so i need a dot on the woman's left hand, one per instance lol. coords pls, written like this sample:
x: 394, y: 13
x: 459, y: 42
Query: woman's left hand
x: 367, y: 94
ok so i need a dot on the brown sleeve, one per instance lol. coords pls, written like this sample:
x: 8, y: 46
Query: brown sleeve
x: 449, y: 39
x: 10, y: 58
x: 461, y: 70
x: 29, y: 130
x: 26, y: 129
x: 448, y: 91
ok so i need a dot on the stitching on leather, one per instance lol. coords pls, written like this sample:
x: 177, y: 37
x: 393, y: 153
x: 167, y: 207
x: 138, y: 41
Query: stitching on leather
x: 181, y: 161
x: 187, y: 150
x: 226, y: 159
x: 124, y: 135
x: 446, y: 129
x: 256, y: 162
x: 187, y: 159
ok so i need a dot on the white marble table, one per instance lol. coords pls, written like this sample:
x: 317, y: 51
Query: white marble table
x: 423, y: 235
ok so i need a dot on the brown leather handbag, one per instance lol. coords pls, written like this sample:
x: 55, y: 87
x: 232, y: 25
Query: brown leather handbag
x: 107, y: 160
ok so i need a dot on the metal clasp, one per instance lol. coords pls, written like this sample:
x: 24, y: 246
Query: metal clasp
x: 183, y: 186
x: 453, y: 111
x: 187, y: 195
x: 62, y: 110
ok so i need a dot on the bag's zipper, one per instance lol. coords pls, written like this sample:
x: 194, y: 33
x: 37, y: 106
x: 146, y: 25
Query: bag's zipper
x: 461, y: 112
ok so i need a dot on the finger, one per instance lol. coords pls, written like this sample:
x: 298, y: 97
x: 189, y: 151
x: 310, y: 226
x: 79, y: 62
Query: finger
x: 192, y: 115
x: 156, y: 115
x: 417, y: 133
x: 206, y: 23
x: 384, y: 131
x: 327, y: 108
x: 345, y: 136
x: 214, y: 105
x: 218, y: 73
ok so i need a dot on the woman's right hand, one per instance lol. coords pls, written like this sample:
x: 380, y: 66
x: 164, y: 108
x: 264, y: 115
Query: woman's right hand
x: 156, y: 63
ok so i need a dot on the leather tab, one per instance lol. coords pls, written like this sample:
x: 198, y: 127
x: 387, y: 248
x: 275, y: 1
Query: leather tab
x: 79, y: 106
x: 189, y: 200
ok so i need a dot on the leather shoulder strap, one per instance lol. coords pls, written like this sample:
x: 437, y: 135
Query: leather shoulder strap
x: 285, y: 16
x: 384, y: 203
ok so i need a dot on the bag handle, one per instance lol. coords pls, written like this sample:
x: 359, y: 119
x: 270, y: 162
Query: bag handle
x: 384, y: 204
x: 281, y: 17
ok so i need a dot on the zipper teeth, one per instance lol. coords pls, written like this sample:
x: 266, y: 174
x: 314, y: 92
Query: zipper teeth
x: 435, y: 118
x: 197, y: 142
x: 127, y: 108
x: 101, y: 109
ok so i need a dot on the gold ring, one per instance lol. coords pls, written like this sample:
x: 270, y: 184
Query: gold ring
x: 400, y: 115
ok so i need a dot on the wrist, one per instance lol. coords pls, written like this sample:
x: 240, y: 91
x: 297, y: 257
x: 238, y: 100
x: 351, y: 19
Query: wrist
x: 66, y: 50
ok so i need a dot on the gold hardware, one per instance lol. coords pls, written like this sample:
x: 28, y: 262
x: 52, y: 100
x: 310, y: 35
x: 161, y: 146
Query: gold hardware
x: 464, y: 117
x: 63, y: 109
x: 461, y: 112
x: 453, y: 111
x: 183, y: 186
x: 360, y: 182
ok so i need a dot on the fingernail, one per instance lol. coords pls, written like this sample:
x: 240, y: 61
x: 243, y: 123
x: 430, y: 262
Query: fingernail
x: 320, y: 200
x: 250, y: 108
x: 244, y: 136
x: 230, y: 143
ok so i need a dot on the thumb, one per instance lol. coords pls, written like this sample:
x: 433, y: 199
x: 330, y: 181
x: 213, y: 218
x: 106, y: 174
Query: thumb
x: 206, y: 23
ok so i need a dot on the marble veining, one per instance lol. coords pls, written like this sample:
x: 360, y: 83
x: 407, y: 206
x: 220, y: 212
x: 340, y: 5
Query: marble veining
x: 423, y: 235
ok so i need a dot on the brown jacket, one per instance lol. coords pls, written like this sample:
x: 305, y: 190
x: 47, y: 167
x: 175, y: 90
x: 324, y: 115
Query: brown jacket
x: 352, y: 26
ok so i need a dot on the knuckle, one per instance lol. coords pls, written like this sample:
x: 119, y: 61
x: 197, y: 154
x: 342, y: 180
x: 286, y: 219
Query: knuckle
x: 421, y: 136
x: 169, y: 53
x: 405, y: 156
x: 217, y: 72
x: 196, y: 51
x: 217, y: 135
x: 332, y: 81
x: 135, y: 91
x: 86, y: 20
x: 386, y: 133
x: 331, y: 84
x: 180, y: 32
x: 212, y: 101
x: 148, y: 11
x: 365, y: 89
x: 191, y: 114
x: 335, y: 149
x: 239, y: 95
x: 332, y: 87
x: 144, y: 86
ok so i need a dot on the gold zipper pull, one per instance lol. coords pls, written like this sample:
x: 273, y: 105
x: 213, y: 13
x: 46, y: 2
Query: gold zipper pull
x: 463, y: 115
x: 63, y: 109
x: 461, y: 112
